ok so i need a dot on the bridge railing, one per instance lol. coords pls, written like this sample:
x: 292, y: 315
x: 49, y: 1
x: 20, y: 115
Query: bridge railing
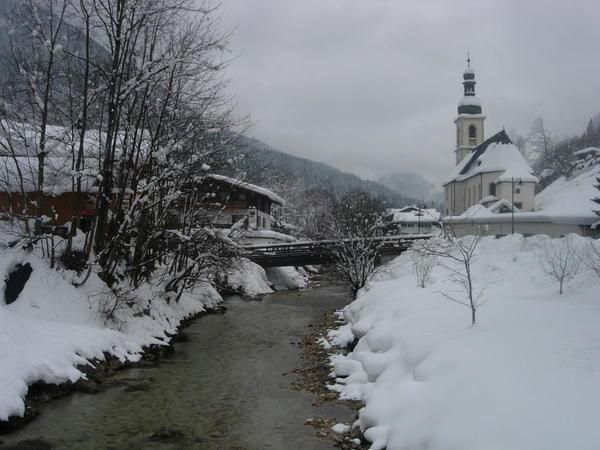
x: 318, y: 252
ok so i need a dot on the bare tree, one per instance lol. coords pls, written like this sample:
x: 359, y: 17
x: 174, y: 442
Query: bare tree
x: 562, y: 260
x: 591, y: 256
x: 538, y: 145
x: 457, y: 256
x: 353, y: 228
x: 134, y: 123
x: 423, y: 264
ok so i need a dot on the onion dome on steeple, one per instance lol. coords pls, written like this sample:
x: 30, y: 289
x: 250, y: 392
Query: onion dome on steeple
x: 469, y: 104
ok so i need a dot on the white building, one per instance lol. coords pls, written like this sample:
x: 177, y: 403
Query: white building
x: 413, y: 220
x: 564, y: 207
x: 487, y: 171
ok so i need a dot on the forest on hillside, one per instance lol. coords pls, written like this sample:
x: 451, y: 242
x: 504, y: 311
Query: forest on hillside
x: 552, y: 157
x: 294, y: 177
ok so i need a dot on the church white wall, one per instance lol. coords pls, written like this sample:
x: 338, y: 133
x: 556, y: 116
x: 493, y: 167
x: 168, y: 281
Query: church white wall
x: 468, y: 192
x: 454, y: 199
x: 524, y: 194
x: 466, y: 228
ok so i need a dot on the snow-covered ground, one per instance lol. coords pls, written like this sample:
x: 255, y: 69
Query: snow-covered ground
x: 525, y: 377
x: 53, y: 327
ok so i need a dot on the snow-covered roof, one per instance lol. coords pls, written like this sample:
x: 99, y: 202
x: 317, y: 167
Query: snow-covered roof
x: 488, y: 199
x: 476, y: 211
x: 496, y: 154
x: 586, y: 151
x: 248, y: 187
x: 58, y: 175
x: 495, y: 208
x: 18, y: 152
x: 469, y: 100
x: 469, y: 71
x: 410, y: 214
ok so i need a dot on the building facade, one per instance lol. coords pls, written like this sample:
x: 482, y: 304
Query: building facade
x: 412, y: 220
x: 229, y: 201
x: 487, y: 170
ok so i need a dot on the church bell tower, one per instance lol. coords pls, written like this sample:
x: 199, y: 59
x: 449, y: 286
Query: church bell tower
x: 469, y: 122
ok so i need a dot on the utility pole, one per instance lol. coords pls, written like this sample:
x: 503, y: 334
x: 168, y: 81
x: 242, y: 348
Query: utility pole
x: 512, y: 203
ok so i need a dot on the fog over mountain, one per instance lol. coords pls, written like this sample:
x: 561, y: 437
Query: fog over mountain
x: 412, y: 185
x: 268, y: 166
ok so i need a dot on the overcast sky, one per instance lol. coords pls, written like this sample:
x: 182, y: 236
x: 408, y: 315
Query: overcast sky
x: 372, y: 86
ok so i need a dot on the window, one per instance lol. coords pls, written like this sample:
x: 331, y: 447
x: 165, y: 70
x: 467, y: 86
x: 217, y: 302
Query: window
x: 518, y: 205
x: 492, y: 188
x: 472, y: 132
x: 241, y: 196
x: 264, y: 222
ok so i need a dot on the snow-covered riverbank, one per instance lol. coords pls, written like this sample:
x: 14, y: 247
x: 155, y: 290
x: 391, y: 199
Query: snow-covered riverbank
x: 526, y: 376
x: 54, y: 329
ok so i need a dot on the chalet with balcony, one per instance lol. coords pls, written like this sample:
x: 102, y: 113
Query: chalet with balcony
x: 228, y: 201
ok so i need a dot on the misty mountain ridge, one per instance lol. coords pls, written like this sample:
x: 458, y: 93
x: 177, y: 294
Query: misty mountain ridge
x: 412, y: 185
x: 278, y: 170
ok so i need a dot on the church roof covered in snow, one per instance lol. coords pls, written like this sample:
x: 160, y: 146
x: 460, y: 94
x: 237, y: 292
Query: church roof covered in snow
x: 495, y: 154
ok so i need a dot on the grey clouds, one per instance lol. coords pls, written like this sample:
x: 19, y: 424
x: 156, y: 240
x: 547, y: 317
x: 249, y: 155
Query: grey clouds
x: 372, y: 86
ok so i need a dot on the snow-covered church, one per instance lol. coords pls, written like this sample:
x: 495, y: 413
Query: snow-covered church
x: 490, y: 172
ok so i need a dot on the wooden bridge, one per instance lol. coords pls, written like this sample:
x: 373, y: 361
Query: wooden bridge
x: 318, y: 252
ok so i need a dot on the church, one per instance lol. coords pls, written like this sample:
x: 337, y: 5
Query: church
x: 490, y: 172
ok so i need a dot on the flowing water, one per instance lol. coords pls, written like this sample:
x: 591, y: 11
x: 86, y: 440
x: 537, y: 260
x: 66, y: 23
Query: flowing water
x: 229, y: 387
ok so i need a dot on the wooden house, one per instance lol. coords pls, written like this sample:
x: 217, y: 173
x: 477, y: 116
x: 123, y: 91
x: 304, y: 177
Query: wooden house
x: 227, y: 201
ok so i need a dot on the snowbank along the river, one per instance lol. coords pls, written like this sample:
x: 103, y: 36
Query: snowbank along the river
x: 525, y: 377
x: 54, y: 327
x: 252, y: 280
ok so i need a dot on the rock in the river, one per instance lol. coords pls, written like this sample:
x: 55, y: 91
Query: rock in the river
x: 167, y: 434
x: 30, y: 444
x: 138, y: 387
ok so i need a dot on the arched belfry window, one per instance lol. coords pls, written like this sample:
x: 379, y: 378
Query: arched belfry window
x: 472, y: 132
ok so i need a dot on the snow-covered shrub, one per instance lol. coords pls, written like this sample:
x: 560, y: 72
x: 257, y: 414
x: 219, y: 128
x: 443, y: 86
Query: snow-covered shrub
x: 422, y: 263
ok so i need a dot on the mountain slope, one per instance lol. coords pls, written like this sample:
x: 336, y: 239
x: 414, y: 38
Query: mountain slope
x: 270, y: 167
